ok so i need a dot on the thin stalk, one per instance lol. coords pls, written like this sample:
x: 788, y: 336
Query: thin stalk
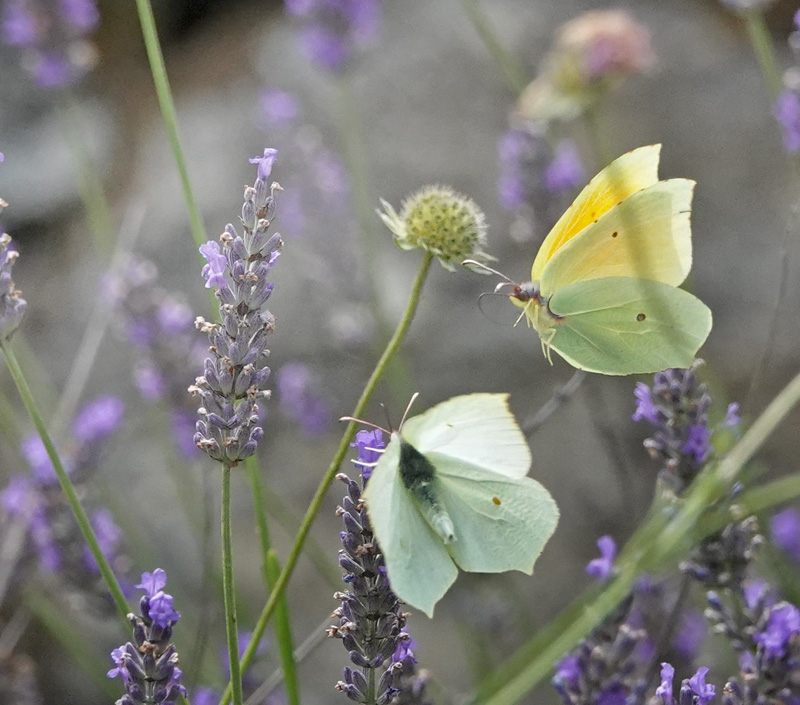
x: 66, y: 484
x: 665, y: 536
x: 283, y: 633
x: 98, y: 211
x: 169, y: 115
x: 229, y: 597
x: 271, y: 570
x: 761, y: 41
x: 313, y: 509
x: 513, y: 72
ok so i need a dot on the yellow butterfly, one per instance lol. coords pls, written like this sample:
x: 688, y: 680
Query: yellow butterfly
x: 603, y: 292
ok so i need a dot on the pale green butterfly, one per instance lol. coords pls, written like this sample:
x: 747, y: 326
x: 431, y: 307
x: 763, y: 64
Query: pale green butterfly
x: 451, y: 489
x: 603, y: 292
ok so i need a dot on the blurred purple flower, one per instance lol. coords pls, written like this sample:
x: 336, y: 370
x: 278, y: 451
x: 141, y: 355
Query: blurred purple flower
x: 299, y: 397
x: 698, y: 442
x: 602, y: 567
x: 109, y: 536
x: 81, y: 14
x: 19, y: 24
x: 785, y: 531
x: 566, y: 171
x: 691, y: 633
x: 280, y: 108
x: 98, y: 420
x: 782, y: 624
x: 704, y: 692
x: 645, y: 409
x: 787, y: 113
x: 335, y: 28
x: 732, y: 418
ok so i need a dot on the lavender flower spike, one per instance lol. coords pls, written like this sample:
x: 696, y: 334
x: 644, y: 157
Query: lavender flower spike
x: 235, y: 375
x: 12, y: 305
x: 371, y: 622
x: 149, y: 666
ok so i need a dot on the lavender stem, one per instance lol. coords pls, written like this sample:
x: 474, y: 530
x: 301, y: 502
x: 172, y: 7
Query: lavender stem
x: 229, y: 595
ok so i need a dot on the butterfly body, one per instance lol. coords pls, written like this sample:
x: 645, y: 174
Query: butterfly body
x: 451, y: 491
x: 419, y: 478
x: 604, y: 283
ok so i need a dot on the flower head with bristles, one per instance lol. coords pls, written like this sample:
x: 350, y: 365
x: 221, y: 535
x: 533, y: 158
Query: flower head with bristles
x: 441, y: 221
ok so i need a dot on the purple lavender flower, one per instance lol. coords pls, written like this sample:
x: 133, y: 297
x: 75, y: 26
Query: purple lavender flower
x: 234, y: 378
x: 694, y: 690
x: 787, y: 113
x: 370, y: 443
x: 785, y: 532
x: 610, y: 665
x: 732, y: 418
x: 371, y: 621
x: 690, y: 635
x: 566, y: 171
x: 335, y: 28
x: 161, y: 326
x: 280, y: 108
x: 98, y: 420
x: 299, y: 397
x: 53, y: 534
x: 601, y: 568
x: 148, y: 666
x: 645, y: 409
x: 12, y: 305
x: 665, y: 689
x: 53, y: 36
x: 677, y: 407
x: 782, y: 624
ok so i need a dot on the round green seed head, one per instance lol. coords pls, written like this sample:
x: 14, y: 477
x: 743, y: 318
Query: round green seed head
x: 448, y: 225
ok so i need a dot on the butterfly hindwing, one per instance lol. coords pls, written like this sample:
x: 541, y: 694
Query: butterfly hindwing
x: 500, y: 523
x: 419, y: 568
x: 646, y: 236
x: 620, y: 325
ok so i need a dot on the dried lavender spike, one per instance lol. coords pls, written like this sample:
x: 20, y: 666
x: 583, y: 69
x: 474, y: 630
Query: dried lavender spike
x: 235, y: 376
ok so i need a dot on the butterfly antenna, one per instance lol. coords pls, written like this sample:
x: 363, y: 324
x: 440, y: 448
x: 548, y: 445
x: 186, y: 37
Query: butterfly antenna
x: 366, y: 423
x: 481, y: 265
x: 408, y: 408
x: 388, y: 418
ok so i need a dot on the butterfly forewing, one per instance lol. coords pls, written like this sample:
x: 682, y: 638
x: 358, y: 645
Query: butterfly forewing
x: 474, y: 428
x: 625, y: 176
x: 647, y: 236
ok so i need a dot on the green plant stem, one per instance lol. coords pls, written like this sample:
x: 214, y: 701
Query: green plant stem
x: 665, y: 536
x: 91, y: 188
x: 169, y: 115
x: 333, y: 468
x: 283, y: 633
x: 66, y: 484
x: 271, y: 570
x: 231, y: 627
x: 761, y: 41
x: 513, y: 72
